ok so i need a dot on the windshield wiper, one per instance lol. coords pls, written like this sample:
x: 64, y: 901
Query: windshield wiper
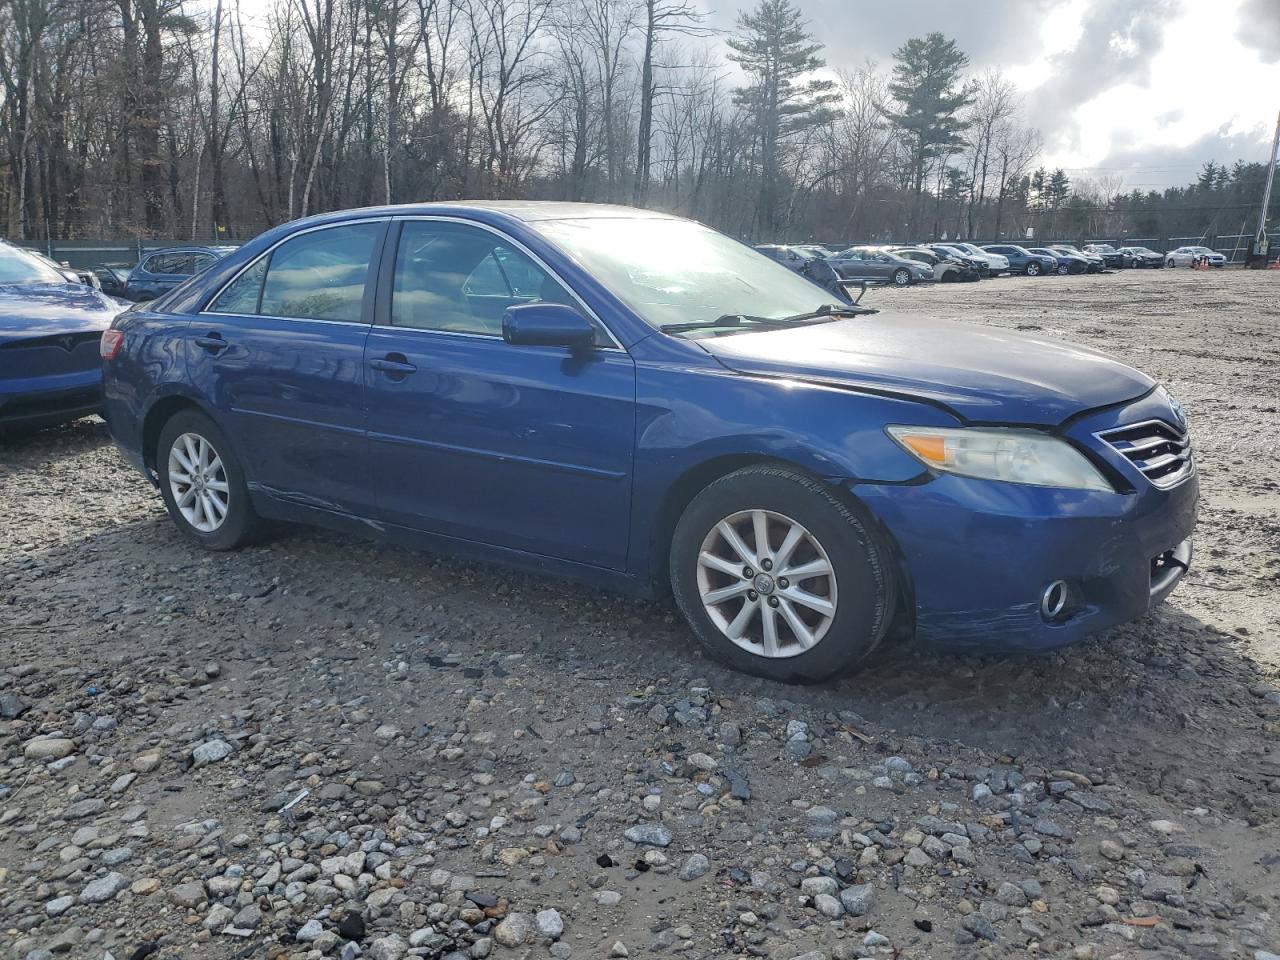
x: 724, y: 320
x: 828, y: 311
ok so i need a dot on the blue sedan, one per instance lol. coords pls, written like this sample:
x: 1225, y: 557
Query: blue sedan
x: 1024, y: 261
x: 639, y: 402
x: 162, y: 270
x: 49, y: 333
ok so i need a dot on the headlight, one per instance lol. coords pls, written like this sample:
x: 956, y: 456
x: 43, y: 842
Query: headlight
x: 997, y: 453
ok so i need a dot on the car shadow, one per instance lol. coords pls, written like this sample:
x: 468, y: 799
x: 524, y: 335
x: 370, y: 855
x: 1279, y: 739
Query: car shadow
x: 1165, y: 698
x: 53, y: 443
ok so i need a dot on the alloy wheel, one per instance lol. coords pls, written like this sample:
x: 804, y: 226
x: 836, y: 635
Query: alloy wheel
x: 902, y: 278
x: 198, y: 482
x: 767, y: 583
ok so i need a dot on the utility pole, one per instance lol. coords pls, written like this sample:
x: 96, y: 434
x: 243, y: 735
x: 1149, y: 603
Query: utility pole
x: 1266, y: 193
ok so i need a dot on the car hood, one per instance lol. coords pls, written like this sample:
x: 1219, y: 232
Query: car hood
x: 47, y: 309
x: 983, y: 374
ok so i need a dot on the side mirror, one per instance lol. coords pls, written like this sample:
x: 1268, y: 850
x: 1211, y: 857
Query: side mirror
x: 547, y: 325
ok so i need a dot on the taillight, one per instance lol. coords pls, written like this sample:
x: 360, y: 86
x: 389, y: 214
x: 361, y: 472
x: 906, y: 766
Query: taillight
x: 110, y: 344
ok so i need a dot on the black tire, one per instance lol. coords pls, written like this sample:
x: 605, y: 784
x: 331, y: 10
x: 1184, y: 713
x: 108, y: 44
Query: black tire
x: 1032, y: 270
x: 902, y: 277
x: 1063, y: 269
x: 240, y: 525
x: 865, y: 585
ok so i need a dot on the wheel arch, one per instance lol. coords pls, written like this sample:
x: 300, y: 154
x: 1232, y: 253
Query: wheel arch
x: 698, y: 477
x: 158, y: 414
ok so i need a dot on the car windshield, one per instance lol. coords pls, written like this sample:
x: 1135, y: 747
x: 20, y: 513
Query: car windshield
x: 1103, y: 248
x: 676, y: 272
x: 18, y: 266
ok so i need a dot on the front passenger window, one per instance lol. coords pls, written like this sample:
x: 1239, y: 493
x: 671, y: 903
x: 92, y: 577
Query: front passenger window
x: 458, y: 278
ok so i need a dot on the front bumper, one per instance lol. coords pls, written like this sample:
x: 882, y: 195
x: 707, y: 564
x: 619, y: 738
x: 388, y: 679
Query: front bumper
x: 40, y: 402
x: 978, y: 555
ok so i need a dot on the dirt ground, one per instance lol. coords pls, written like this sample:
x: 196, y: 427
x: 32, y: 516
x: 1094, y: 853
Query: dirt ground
x: 501, y: 765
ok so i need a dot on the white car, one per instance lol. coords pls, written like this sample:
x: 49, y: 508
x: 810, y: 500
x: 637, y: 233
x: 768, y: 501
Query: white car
x: 997, y: 262
x: 1189, y: 256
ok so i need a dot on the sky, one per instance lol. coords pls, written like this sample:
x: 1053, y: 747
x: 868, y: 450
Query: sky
x: 1143, y: 90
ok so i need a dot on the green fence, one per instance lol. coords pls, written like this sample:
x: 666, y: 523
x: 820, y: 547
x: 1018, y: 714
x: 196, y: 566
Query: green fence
x: 88, y: 253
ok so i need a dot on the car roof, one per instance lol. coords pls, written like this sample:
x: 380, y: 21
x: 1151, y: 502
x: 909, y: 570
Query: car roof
x: 188, y: 248
x: 526, y: 210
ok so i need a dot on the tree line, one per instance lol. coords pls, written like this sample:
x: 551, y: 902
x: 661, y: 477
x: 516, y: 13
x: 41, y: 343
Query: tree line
x: 164, y: 118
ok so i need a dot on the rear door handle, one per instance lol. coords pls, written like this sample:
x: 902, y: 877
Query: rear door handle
x: 392, y: 364
x: 214, y: 342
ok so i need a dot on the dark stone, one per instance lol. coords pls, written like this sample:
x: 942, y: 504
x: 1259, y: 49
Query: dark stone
x: 979, y: 926
x: 351, y: 927
x: 11, y: 705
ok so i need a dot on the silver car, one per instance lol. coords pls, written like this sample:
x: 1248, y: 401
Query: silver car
x: 1190, y: 256
x: 997, y: 262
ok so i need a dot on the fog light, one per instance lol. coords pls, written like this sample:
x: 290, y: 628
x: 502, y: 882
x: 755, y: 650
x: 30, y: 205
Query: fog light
x: 1054, y: 600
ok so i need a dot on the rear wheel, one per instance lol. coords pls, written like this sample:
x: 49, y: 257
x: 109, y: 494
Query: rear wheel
x: 779, y: 578
x: 1063, y: 269
x: 901, y: 277
x: 203, y: 484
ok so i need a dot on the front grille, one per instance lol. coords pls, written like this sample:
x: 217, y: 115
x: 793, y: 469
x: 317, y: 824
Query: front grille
x: 1162, y: 453
x: 66, y: 341
x: 49, y: 356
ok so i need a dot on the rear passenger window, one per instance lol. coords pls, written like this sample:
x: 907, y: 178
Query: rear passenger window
x: 321, y: 275
x: 170, y: 263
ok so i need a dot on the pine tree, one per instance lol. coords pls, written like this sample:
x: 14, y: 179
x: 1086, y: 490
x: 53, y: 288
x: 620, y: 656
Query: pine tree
x: 1057, y: 188
x: 775, y: 49
x: 930, y: 96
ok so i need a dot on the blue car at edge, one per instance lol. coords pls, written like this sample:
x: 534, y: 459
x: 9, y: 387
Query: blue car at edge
x: 50, y: 330
x: 636, y: 401
x: 160, y: 271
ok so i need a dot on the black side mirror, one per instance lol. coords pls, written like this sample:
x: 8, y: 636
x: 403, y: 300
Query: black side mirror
x: 547, y: 325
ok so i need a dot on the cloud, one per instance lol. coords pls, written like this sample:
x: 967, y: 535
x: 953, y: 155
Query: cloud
x: 1145, y: 166
x: 1117, y: 44
x: 1259, y: 28
x: 991, y: 32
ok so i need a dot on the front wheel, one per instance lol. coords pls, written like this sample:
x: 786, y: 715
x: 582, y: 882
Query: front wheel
x: 1033, y: 270
x: 901, y: 278
x: 203, y: 484
x: 1063, y: 269
x: 779, y: 578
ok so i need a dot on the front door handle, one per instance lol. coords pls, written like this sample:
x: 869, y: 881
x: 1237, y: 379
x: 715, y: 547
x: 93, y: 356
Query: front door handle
x: 214, y: 342
x: 394, y: 365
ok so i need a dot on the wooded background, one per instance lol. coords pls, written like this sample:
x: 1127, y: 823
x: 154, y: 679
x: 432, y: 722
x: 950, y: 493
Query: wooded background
x: 171, y: 119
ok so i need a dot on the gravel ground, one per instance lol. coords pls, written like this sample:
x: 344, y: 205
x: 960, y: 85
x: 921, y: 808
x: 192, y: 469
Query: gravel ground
x: 327, y: 747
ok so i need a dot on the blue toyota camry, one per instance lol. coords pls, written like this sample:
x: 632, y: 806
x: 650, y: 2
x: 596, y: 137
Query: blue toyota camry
x: 637, y: 401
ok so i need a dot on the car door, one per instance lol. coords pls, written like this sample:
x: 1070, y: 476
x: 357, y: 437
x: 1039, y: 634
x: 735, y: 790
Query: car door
x: 854, y: 266
x: 528, y: 448
x: 279, y: 353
